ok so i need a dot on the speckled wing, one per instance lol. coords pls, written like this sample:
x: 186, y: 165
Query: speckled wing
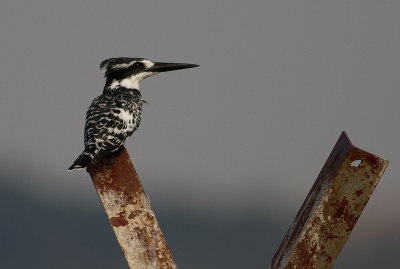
x: 110, y: 120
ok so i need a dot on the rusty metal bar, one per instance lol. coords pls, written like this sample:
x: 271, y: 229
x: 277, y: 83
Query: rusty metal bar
x: 128, y: 209
x: 331, y: 209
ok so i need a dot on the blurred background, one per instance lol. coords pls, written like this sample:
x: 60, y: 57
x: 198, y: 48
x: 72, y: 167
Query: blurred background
x: 227, y: 152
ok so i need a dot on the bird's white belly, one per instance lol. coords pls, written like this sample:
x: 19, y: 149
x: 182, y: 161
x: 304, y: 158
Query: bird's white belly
x: 126, y: 117
x: 128, y: 122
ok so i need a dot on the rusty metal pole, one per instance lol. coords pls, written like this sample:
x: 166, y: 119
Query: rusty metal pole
x: 128, y: 209
x: 331, y: 209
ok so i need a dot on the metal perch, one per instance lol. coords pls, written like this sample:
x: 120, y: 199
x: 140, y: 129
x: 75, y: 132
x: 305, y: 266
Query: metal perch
x: 130, y: 214
x: 331, y: 209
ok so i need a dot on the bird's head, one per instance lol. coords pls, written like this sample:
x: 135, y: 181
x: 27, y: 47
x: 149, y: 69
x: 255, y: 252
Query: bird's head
x: 128, y: 72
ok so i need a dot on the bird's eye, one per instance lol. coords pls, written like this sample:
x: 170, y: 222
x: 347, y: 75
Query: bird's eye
x: 138, y: 65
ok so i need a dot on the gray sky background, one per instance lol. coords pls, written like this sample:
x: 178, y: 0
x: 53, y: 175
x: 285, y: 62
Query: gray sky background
x: 248, y: 130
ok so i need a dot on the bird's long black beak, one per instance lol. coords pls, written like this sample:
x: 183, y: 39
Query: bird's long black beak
x: 164, y: 67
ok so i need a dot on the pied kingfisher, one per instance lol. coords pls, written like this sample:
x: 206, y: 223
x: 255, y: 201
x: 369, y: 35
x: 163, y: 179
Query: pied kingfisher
x: 115, y: 115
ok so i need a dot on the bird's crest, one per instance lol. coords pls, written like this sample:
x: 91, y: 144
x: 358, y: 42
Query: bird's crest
x: 114, y: 64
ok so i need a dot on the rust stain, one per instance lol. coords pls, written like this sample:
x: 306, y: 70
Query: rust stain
x: 331, y: 209
x: 359, y: 192
x: 372, y: 160
x: 339, y: 212
x: 110, y: 175
x: 119, y: 221
x: 134, y: 213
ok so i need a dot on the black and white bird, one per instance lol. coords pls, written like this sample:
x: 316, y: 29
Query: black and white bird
x: 115, y: 115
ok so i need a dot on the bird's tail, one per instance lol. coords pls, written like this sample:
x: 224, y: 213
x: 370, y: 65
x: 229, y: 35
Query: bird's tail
x: 83, y: 160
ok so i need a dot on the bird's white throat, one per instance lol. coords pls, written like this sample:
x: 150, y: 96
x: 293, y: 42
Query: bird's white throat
x: 131, y: 82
